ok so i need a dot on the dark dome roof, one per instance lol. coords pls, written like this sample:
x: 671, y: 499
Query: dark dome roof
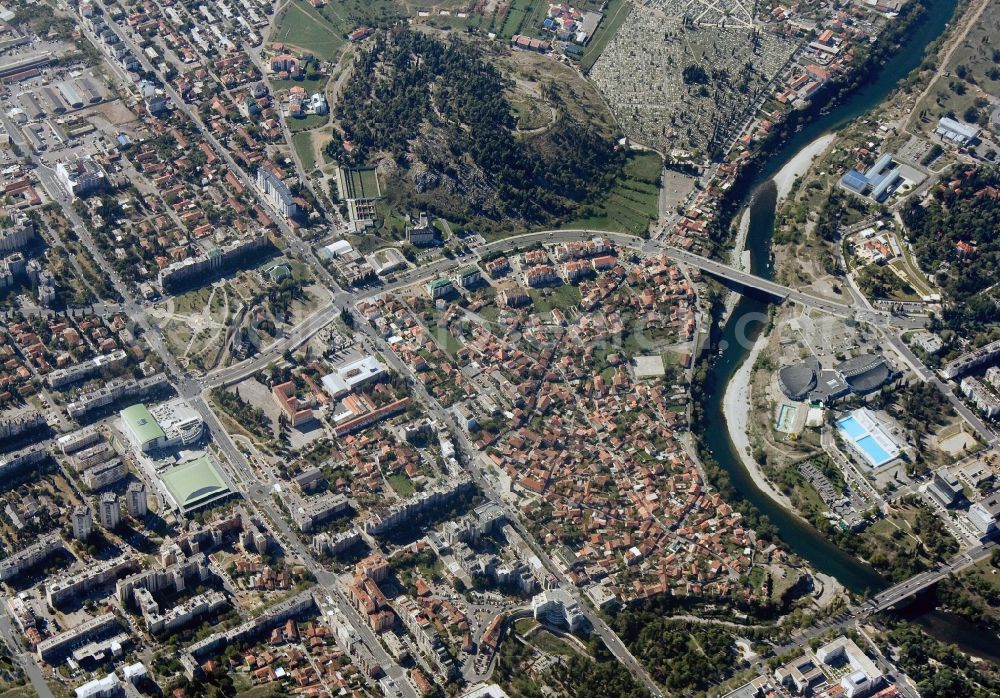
x: 797, y: 380
x: 866, y: 372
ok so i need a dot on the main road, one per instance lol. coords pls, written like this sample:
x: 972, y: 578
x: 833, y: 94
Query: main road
x: 345, y: 299
x: 890, y: 597
x: 931, y: 377
x: 470, y: 454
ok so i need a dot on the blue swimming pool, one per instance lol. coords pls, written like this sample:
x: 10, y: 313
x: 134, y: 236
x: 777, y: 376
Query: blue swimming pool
x: 850, y: 426
x: 876, y: 453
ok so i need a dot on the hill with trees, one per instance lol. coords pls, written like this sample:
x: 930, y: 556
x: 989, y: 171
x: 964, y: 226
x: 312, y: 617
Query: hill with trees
x: 435, y: 116
x: 955, y: 238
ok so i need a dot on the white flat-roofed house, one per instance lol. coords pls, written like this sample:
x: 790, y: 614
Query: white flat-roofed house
x: 984, y: 515
x: 955, y: 131
x: 352, y: 376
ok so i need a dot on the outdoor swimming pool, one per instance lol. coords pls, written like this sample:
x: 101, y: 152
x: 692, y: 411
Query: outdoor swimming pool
x: 850, y: 427
x: 862, y: 430
x: 786, y: 418
x: 876, y: 453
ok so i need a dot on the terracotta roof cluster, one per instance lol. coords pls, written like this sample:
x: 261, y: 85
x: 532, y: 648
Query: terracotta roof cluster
x: 596, y: 456
x: 37, y: 346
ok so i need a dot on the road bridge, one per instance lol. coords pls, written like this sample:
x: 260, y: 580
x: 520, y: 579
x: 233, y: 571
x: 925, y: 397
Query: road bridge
x: 908, y: 588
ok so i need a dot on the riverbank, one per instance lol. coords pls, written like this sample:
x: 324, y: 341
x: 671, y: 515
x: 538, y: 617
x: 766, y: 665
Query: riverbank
x: 739, y: 258
x: 784, y: 179
x: 736, y: 408
x: 896, y: 54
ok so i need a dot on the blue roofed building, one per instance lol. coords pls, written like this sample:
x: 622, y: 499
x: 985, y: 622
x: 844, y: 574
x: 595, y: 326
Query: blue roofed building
x: 877, y: 182
x: 855, y: 181
x: 881, y: 190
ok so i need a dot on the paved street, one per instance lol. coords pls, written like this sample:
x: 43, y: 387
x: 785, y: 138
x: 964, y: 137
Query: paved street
x: 929, y: 376
x: 243, y: 478
x: 26, y: 660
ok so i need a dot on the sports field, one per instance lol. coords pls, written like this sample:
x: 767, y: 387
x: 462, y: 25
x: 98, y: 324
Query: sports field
x: 362, y: 183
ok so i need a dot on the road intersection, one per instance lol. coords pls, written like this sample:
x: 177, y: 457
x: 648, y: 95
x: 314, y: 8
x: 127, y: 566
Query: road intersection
x: 244, y: 479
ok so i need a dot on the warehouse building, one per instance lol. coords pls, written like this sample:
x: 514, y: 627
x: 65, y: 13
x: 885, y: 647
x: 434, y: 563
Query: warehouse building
x: 956, y: 131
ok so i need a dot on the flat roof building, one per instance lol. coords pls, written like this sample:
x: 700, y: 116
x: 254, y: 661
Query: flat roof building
x: 955, y: 131
x: 971, y: 359
x: 81, y: 177
x: 985, y: 514
x: 440, y: 287
x: 352, y: 376
x: 876, y: 181
x: 167, y: 425
x: 556, y: 607
x: 277, y: 192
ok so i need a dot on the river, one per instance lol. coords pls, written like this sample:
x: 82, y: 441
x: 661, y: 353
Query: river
x: 802, y: 538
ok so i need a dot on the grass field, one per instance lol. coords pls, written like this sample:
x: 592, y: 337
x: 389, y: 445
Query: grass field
x: 614, y: 16
x: 301, y: 26
x: 311, y: 83
x: 362, y: 183
x: 303, y: 144
x: 547, y: 642
x: 969, y: 79
x: 306, y: 123
x: 633, y: 203
x: 515, y: 18
x: 323, y: 31
x: 562, y: 297
x: 401, y: 485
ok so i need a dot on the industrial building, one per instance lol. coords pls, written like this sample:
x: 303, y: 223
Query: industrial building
x: 956, y: 131
x: 71, y: 95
